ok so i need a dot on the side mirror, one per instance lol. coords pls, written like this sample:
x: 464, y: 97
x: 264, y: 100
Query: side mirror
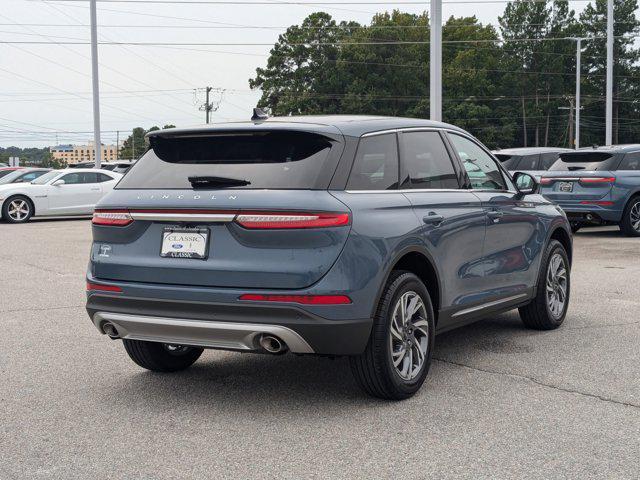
x: 57, y: 183
x: 525, y: 183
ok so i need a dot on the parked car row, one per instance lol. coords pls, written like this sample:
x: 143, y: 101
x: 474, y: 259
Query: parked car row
x: 25, y: 193
x: 119, y: 167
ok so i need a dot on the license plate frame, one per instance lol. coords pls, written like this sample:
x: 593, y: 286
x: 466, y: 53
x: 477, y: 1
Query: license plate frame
x: 197, y: 247
x: 565, y: 187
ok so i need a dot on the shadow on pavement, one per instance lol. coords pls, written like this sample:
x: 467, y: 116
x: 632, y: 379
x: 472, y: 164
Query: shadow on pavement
x: 289, y: 383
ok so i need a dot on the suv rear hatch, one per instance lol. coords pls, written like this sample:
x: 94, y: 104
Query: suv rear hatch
x: 579, y: 177
x: 246, y: 208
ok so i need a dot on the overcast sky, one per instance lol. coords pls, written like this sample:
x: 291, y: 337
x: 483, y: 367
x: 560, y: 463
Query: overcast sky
x: 46, y: 89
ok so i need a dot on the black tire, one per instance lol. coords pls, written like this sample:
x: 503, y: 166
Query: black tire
x: 538, y: 314
x: 629, y: 218
x: 9, y: 204
x: 160, y: 357
x: 374, y: 369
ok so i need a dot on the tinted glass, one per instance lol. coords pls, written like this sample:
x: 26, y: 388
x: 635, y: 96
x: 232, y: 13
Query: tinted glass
x: 46, y: 177
x: 426, y: 161
x: 376, y: 164
x: 104, y: 178
x: 631, y: 161
x: 27, y: 177
x: 481, y: 168
x: 508, y: 161
x: 5, y: 172
x: 528, y: 162
x: 267, y: 159
x: 80, y: 177
x: 547, y: 160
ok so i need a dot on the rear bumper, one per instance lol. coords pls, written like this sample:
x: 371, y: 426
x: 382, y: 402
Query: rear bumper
x: 590, y: 213
x: 226, y: 326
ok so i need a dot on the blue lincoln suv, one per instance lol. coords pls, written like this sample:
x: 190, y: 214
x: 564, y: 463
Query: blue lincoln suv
x: 332, y: 235
x: 597, y: 186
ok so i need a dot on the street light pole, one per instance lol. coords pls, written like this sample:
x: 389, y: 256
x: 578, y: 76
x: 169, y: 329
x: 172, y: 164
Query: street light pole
x: 578, y: 69
x: 435, y: 61
x: 95, y: 84
x: 609, y: 101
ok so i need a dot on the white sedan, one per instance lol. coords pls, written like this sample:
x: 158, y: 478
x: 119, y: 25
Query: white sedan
x: 71, y: 192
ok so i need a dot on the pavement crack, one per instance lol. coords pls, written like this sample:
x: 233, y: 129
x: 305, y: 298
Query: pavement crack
x: 40, y: 309
x: 538, y: 382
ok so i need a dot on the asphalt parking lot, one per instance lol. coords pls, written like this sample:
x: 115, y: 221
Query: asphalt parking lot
x: 500, y: 401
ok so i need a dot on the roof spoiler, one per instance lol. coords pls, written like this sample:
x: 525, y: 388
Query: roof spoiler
x: 585, y: 156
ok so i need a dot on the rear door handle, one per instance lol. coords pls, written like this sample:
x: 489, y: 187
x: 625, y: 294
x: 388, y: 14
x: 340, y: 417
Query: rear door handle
x: 495, y: 215
x: 432, y: 218
x: 96, y: 189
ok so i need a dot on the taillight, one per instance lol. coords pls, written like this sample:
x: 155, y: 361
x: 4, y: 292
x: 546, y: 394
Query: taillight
x: 602, y: 203
x: 592, y: 180
x: 302, y: 299
x: 546, y: 181
x: 102, y: 288
x: 292, y: 220
x: 118, y: 218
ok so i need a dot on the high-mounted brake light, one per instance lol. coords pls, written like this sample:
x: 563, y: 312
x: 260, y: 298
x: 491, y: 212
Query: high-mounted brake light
x: 118, y: 218
x: 292, y: 220
x: 591, y: 180
x: 102, y: 288
x: 302, y: 299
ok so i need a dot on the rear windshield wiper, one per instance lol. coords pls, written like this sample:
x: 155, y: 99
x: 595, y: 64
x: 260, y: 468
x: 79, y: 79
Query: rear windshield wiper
x: 202, y: 182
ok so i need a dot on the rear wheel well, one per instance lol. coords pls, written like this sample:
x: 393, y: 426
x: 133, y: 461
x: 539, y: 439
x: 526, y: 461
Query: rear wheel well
x: 561, y: 235
x: 418, y: 264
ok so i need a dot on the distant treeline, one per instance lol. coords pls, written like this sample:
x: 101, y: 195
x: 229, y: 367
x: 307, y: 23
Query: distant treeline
x: 511, y: 93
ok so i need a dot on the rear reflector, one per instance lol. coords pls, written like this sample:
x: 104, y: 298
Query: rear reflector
x: 602, y: 203
x: 591, y: 180
x: 111, y: 217
x: 292, y: 220
x: 302, y: 299
x: 102, y: 288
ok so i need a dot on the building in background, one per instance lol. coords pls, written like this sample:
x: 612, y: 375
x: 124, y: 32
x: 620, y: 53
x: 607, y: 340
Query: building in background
x: 72, y: 154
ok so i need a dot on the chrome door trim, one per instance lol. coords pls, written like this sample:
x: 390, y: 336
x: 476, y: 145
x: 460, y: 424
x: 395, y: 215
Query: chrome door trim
x: 494, y: 303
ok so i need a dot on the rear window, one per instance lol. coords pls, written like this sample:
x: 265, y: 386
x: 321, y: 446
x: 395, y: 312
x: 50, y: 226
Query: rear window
x: 528, y: 162
x: 507, y: 161
x: 584, y: 160
x: 376, y: 164
x: 266, y: 159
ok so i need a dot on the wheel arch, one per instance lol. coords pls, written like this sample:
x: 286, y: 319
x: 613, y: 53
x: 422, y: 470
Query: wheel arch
x: 419, y: 262
x: 561, y: 234
x: 23, y: 195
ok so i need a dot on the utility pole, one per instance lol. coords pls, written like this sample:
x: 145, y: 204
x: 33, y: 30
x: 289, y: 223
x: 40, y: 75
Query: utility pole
x: 97, y: 144
x: 578, y: 69
x: 609, y: 101
x: 435, y: 61
x: 207, y: 106
x: 117, y: 145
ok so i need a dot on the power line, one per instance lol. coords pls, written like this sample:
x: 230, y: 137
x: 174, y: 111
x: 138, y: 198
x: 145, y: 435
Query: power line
x: 292, y: 2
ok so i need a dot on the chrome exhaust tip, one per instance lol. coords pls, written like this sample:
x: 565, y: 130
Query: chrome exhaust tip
x: 272, y: 344
x: 111, y: 330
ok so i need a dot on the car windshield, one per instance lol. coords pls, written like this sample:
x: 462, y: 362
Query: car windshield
x: 46, y: 177
x: 8, y: 176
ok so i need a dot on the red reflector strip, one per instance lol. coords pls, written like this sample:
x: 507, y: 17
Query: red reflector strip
x: 302, y: 299
x: 545, y: 181
x: 292, y: 220
x: 597, y: 180
x: 102, y: 288
x: 596, y: 202
x: 118, y: 218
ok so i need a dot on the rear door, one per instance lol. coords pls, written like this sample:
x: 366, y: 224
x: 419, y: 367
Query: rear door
x: 513, y: 231
x: 258, y: 200
x: 451, y: 219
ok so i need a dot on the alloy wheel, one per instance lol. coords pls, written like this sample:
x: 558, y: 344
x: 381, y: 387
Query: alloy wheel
x: 409, y: 335
x: 556, y: 285
x: 634, y: 215
x: 18, y: 210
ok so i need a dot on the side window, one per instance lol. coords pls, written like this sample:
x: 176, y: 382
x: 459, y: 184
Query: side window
x: 548, y: 159
x: 71, y: 178
x: 80, y: 177
x: 481, y: 168
x: 426, y: 161
x: 104, y: 178
x: 27, y: 177
x: 528, y: 162
x: 376, y: 164
x: 631, y: 161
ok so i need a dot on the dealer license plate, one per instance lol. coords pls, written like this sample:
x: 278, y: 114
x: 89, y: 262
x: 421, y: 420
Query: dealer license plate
x: 185, y: 243
x: 565, y: 186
